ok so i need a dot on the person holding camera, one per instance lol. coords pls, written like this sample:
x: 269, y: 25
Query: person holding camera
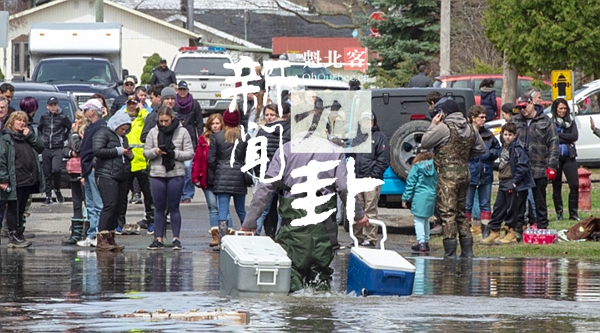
x: 113, y: 162
x: 168, y: 145
x: 451, y: 136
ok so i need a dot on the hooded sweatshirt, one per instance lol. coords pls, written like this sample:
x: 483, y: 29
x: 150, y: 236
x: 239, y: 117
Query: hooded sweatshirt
x: 108, y: 149
x: 375, y: 163
x: 421, y: 188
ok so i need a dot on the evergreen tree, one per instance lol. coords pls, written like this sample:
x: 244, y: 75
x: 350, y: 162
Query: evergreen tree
x: 151, y: 63
x: 410, y: 34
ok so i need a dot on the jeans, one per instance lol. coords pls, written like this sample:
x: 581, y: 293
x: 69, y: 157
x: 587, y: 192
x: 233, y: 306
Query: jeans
x: 484, y: 195
x: 213, y: 209
x: 422, y: 229
x: 263, y: 216
x: 239, y: 202
x: 188, y: 188
x: 93, y: 204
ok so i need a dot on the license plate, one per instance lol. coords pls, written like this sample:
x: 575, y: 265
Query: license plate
x: 204, y: 103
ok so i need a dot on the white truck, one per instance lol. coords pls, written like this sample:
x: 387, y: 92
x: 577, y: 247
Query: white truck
x: 83, y: 58
x: 202, y: 69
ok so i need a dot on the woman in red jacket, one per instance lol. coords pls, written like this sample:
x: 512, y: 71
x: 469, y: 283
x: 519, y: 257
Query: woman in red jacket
x: 202, y: 179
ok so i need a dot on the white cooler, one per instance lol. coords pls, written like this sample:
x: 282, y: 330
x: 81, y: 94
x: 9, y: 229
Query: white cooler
x: 250, y: 265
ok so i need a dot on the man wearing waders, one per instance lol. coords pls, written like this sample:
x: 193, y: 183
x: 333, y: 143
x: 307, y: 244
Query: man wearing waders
x: 311, y: 246
x: 453, y: 141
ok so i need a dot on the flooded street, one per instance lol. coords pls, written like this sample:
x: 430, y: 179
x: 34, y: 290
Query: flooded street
x: 53, y: 288
x: 81, y: 291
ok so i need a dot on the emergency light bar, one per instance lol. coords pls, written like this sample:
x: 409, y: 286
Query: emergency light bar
x: 219, y: 49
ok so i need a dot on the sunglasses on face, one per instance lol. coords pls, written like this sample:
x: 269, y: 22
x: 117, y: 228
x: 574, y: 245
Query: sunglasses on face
x: 128, y: 84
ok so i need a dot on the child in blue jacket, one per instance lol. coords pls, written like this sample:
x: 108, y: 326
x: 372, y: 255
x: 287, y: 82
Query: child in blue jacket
x: 421, y: 192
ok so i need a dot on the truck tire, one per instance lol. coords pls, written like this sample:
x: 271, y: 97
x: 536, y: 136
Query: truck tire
x: 404, y: 144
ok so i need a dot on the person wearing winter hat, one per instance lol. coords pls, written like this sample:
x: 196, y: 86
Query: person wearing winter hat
x: 190, y: 116
x: 229, y: 180
x: 508, y: 111
x: 450, y: 136
x: 113, y: 162
x: 168, y: 97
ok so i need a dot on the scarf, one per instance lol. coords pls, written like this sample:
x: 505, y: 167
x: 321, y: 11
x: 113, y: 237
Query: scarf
x: 185, y: 105
x: 16, y: 135
x: 561, y: 122
x: 165, y: 139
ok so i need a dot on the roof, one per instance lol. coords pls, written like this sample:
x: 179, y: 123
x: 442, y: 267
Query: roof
x: 254, y: 5
x: 191, y: 34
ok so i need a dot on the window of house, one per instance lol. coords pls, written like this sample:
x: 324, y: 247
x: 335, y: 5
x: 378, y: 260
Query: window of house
x: 20, y: 56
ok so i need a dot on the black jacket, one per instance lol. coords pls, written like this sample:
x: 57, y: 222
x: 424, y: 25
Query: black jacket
x: 273, y: 139
x: 109, y: 163
x: 163, y: 76
x: 87, y: 151
x: 227, y: 179
x: 519, y: 166
x: 53, y: 129
x: 192, y: 121
x: 118, y: 103
x: 567, y: 138
x: 373, y: 164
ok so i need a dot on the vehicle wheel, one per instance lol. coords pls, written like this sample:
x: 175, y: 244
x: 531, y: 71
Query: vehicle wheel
x: 404, y: 144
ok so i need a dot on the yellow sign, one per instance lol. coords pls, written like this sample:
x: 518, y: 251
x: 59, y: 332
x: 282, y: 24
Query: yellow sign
x: 562, y: 84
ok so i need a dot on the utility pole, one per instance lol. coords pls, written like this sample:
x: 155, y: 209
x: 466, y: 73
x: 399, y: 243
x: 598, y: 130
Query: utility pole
x: 190, y: 15
x: 445, y: 37
x: 99, y: 6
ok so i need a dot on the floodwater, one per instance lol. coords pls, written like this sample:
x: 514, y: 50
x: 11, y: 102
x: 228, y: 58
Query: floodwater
x: 45, y: 290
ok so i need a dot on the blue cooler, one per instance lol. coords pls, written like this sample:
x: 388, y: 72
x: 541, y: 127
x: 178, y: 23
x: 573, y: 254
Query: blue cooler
x: 379, y: 272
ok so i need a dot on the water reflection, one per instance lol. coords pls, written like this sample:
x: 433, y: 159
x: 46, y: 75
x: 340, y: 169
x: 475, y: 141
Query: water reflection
x: 64, y: 291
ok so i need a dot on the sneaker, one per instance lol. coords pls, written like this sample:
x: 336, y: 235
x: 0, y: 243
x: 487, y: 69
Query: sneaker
x: 59, y: 197
x: 136, y: 199
x: 177, y: 244
x: 127, y: 229
x: 119, y: 230
x: 134, y: 229
x: 186, y: 201
x: 47, y: 202
x: 156, y: 245
x: 87, y: 242
x: 150, y: 229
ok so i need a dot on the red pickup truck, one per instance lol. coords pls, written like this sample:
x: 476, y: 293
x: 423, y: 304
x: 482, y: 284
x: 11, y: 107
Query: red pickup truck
x: 472, y: 81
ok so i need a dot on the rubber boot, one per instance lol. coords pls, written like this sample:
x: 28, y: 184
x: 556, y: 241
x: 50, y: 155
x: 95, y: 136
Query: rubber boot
x: 102, y: 241
x: 573, y: 207
x: 558, y: 207
x: 216, y: 239
x: 76, y: 232
x: 111, y: 241
x: 485, y: 221
x: 466, y: 247
x: 485, y: 231
x: 223, y: 231
x: 450, y: 247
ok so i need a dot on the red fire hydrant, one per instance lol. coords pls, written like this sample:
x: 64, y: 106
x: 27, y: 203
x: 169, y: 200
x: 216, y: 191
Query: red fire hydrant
x: 585, y: 188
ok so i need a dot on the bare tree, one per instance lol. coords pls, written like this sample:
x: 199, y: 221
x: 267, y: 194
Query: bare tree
x: 468, y: 36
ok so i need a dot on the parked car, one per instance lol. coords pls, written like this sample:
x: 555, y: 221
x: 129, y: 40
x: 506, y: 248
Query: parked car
x: 33, y: 86
x: 68, y: 105
x: 584, y: 106
x: 472, y: 81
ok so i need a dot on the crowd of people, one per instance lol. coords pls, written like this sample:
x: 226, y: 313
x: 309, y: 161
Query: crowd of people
x: 154, y: 144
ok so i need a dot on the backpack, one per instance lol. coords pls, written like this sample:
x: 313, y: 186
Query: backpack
x: 584, y: 229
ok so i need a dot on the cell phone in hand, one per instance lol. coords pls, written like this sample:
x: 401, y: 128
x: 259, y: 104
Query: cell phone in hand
x: 162, y: 147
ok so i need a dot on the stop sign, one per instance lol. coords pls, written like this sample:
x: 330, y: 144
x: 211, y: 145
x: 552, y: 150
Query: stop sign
x: 376, y: 16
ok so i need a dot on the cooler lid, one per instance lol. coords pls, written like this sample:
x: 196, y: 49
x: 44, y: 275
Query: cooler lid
x: 255, y: 250
x: 383, y: 259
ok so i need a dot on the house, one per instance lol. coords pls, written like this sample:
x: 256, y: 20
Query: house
x: 142, y: 34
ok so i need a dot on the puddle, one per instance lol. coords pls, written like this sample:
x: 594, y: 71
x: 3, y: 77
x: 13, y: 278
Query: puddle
x: 51, y: 291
